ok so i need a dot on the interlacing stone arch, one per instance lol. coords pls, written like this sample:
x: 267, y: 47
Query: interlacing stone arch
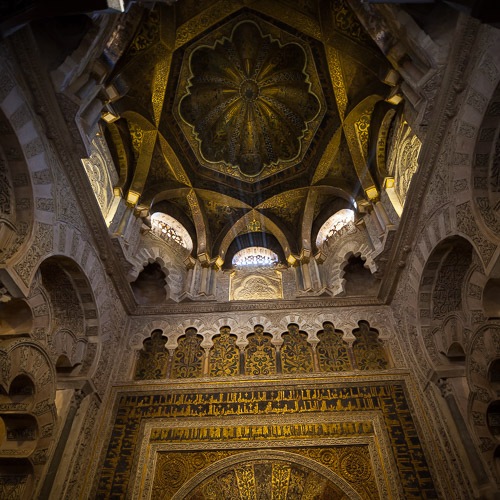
x: 483, y: 376
x: 441, y: 300
x: 71, y: 315
x: 28, y: 417
x: 174, y: 272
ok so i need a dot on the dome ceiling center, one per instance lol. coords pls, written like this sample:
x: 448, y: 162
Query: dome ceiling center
x: 248, y: 107
x: 249, y: 90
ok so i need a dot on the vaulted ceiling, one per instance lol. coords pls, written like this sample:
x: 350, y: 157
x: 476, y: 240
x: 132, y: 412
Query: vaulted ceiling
x: 247, y: 116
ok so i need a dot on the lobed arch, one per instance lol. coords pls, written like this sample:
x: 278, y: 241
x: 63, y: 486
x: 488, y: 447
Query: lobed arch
x: 488, y: 291
x: 483, y: 354
x: 476, y: 143
x: 341, y: 252
x: 62, y: 285
x: 283, y: 349
x: 485, y: 171
x: 29, y: 192
x: 151, y: 287
x: 173, y: 271
x: 266, y: 323
x: 31, y: 374
x: 16, y: 198
x: 442, y: 298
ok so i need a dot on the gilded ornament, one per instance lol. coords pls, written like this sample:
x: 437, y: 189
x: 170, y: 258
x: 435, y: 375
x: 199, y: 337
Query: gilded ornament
x: 305, y: 23
x: 347, y: 23
x: 248, y: 103
x: 368, y: 350
x: 261, y: 284
x: 148, y: 34
x: 296, y: 352
x: 224, y: 355
x: 333, y: 58
x: 188, y: 357
x: 355, y: 467
x: 332, y: 350
x: 260, y: 354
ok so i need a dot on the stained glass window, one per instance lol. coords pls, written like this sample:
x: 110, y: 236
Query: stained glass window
x: 255, y: 256
x: 341, y: 222
x: 169, y: 229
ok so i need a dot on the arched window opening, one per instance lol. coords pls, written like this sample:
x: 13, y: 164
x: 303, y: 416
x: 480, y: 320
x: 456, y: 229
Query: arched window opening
x: 149, y: 287
x: 20, y: 470
x: 340, y: 223
x: 494, y: 371
x: 255, y: 257
x: 19, y: 428
x: 64, y: 365
x: 22, y: 386
x: 358, y: 279
x: 493, y: 418
x: 496, y: 459
x: 455, y: 352
x: 17, y: 317
x: 491, y: 298
x: 171, y: 230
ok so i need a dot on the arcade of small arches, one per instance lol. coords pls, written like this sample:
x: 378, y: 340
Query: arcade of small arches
x: 260, y: 353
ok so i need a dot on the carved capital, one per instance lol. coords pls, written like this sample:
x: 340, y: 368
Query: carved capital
x: 445, y: 388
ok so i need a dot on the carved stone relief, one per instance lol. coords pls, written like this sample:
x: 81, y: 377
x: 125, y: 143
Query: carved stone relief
x: 101, y: 173
x: 256, y: 285
x: 402, y: 161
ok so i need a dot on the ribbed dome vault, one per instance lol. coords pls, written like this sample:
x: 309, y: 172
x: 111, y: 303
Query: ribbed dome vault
x: 249, y: 100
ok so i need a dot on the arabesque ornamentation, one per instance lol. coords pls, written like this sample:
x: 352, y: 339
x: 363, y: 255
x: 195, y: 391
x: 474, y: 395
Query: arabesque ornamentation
x: 249, y: 100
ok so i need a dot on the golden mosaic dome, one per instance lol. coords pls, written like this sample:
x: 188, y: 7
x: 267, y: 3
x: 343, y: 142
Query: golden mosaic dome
x: 249, y: 100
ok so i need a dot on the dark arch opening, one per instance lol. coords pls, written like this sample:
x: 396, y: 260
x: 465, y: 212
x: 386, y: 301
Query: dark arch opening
x: 491, y: 298
x: 455, y: 352
x: 494, y: 371
x: 358, y: 279
x: 15, y: 317
x: 64, y: 366
x: 22, y: 385
x: 493, y: 418
x: 149, y: 287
